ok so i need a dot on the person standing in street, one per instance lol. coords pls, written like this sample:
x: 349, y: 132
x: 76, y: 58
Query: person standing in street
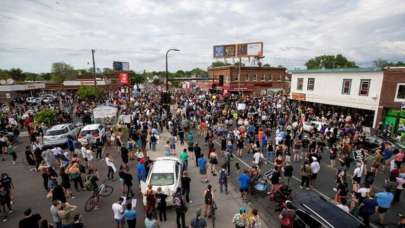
x: 118, y: 212
x: 197, y: 153
x: 208, y: 200
x: 184, y: 159
x: 181, y: 208
x: 223, y: 179
x: 198, y: 221
x: 315, y: 168
x: 185, y: 186
x: 111, y: 169
x: 130, y: 215
x: 305, y: 173
x: 240, y: 220
x: 65, y: 213
x: 30, y: 220
x: 202, y: 165
x: 161, y: 204
x: 384, y: 200
x: 244, y: 181
x: 54, y: 213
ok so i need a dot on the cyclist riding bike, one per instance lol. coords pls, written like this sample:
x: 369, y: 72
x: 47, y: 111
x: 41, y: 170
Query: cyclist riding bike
x: 93, y: 186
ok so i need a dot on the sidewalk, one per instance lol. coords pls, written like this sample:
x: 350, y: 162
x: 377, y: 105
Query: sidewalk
x: 228, y: 204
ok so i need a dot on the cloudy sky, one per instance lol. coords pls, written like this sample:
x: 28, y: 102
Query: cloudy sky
x: 35, y: 33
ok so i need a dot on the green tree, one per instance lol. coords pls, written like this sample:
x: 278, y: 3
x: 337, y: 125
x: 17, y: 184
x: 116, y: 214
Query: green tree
x: 330, y: 62
x: 46, y: 76
x: 16, y: 74
x: 219, y: 64
x: 381, y: 63
x: 89, y: 92
x: 32, y: 76
x: 46, y: 116
x: 4, y: 75
x: 137, y: 78
x: 266, y: 65
x: 62, y: 71
x: 107, y: 70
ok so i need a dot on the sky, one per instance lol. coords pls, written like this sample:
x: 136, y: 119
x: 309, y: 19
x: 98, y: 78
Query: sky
x: 36, y: 33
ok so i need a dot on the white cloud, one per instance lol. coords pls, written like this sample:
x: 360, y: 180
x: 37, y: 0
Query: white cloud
x: 35, y: 33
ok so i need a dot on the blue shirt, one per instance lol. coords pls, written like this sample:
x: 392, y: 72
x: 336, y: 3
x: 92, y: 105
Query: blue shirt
x: 387, y: 154
x: 384, y: 199
x: 202, y: 163
x: 140, y: 171
x: 244, y: 180
x: 129, y: 214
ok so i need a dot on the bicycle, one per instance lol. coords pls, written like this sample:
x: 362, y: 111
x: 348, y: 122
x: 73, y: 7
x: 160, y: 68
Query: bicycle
x: 103, y: 190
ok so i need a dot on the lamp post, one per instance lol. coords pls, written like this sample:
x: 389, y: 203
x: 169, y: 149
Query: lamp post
x: 167, y: 70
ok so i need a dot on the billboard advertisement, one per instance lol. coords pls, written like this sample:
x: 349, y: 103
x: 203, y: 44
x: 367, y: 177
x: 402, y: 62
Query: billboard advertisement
x: 254, y: 49
x: 123, y: 77
x: 219, y: 51
x: 120, y: 66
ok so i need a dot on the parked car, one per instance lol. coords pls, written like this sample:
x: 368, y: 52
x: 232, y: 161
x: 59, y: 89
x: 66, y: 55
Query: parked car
x: 96, y: 130
x: 314, y: 211
x: 165, y: 173
x: 58, y: 134
x: 33, y: 100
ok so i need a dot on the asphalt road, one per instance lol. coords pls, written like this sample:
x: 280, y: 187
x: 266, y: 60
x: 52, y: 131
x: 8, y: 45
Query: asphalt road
x: 324, y: 185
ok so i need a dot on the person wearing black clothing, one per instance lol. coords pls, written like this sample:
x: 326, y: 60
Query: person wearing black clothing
x: 161, y: 204
x: 29, y: 220
x: 197, y: 153
x: 58, y: 194
x: 275, y: 178
x: 181, y: 209
x: 288, y: 171
x: 124, y: 154
x: 127, y: 181
x: 99, y: 149
x: 185, y: 186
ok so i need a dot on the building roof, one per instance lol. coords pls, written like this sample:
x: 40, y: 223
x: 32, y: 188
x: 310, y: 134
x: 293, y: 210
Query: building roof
x: 248, y: 67
x: 337, y: 70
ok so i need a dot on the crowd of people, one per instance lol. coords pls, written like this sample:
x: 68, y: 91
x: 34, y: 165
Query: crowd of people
x: 267, y: 130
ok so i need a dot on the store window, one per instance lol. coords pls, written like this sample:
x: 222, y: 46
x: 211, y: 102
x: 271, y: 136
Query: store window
x: 347, y: 84
x: 364, y: 87
x: 234, y: 77
x: 400, y: 94
x: 311, y: 84
x: 268, y: 77
x: 300, y: 83
x: 262, y: 77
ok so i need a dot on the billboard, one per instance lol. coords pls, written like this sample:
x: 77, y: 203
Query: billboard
x: 123, y: 77
x: 120, y: 66
x: 254, y: 49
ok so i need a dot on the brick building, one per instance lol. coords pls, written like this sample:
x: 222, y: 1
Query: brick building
x: 258, y: 80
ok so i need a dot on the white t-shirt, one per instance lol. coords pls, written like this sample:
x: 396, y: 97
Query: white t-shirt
x: 363, y: 191
x: 344, y: 208
x: 118, y: 211
x: 257, y: 156
x: 315, y: 167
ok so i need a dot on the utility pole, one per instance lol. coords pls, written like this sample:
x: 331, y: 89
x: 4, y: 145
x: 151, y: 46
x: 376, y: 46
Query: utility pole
x: 94, y: 68
x: 167, y: 68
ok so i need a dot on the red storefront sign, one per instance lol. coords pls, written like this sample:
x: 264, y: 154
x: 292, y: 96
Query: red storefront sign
x: 123, y: 78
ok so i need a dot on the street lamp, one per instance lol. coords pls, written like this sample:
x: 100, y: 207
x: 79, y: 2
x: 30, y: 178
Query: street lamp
x: 167, y: 70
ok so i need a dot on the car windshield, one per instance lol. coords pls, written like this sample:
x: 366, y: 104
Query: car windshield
x: 57, y: 132
x: 162, y: 179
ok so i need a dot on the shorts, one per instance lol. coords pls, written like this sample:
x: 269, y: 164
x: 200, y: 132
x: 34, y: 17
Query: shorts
x: 382, y: 210
x: 118, y: 221
x: 313, y: 176
x: 242, y: 190
x: 173, y: 146
x: 357, y: 179
x: 203, y: 171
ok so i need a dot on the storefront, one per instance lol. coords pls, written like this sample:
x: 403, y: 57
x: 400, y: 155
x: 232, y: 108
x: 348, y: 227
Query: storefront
x: 396, y: 119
